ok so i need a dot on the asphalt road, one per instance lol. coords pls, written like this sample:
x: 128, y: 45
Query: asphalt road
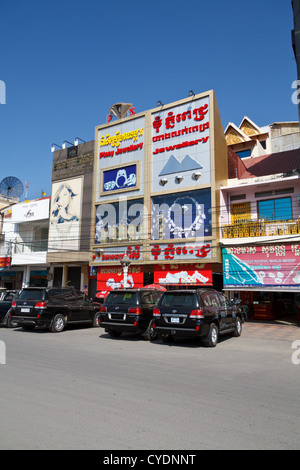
x: 81, y: 389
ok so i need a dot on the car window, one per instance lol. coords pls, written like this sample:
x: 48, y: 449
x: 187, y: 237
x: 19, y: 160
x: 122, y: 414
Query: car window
x: 9, y: 296
x: 122, y: 298
x: 178, y: 300
x: 210, y: 299
x: 224, y: 302
x: 32, y: 294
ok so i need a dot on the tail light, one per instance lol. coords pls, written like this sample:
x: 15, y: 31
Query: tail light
x: 196, y: 314
x: 14, y: 304
x: 103, y: 309
x: 136, y: 310
x: 41, y: 305
x: 156, y: 312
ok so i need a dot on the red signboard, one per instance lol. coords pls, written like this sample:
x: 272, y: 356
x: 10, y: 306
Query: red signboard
x: 111, y: 277
x: 183, y: 274
x: 5, y: 262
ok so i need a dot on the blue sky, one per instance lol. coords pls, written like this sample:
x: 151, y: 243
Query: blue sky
x: 66, y: 62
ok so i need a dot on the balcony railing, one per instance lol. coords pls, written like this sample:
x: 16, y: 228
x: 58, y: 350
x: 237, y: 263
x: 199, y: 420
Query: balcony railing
x: 261, y: 229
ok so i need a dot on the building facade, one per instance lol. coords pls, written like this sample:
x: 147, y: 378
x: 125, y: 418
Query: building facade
x: 70, y: 217
x: 157, y: 179
x: 24, y: 244
x: 260, y: 234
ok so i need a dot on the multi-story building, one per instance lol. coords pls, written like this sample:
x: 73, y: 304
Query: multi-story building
x: 70, y: 217
x: 260, y: 232
x: 24, y: 244
x: 157, y: 179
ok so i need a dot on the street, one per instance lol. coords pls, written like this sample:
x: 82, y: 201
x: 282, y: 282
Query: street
x: 81, y: 389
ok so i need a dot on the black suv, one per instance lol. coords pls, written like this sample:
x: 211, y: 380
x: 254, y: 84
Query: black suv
x: 6, y: 298
x: 129, y: 310
x: 205, y: 313
x: 53, y: 308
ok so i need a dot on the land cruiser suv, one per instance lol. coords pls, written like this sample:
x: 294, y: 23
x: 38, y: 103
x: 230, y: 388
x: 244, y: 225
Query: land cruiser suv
x: 129, y: 310
x: 205, y: 313
x: 53, y: 308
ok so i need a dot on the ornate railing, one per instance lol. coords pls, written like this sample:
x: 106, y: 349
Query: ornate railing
x: 261, y: 229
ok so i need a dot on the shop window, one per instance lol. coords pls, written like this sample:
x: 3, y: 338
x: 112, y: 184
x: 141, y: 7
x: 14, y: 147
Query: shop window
x: 275, y: 209
x: 240, y: 212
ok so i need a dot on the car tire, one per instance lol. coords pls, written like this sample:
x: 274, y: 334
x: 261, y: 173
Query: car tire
x: 151, y: 335
x: 58, y: 323
x: 238, y: 327
x: 114, y: 333
x: 211, y: 340
x: 95, y: 320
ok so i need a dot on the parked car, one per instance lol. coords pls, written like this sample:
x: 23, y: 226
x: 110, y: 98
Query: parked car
x: 53, y: 308
x: 204, y: 313
x: 6, y: 298
x: 129, y: 310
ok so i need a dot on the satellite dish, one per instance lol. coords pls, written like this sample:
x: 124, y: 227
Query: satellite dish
x: 11, y: 187
x: 120, y: 109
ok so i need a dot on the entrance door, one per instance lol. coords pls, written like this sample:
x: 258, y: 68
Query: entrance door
x: 74, y: 275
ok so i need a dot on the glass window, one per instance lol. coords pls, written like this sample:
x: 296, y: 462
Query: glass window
x: 32, y: 294
x: 116, y: 298
x: 275, y: 209
x: 181, y: 299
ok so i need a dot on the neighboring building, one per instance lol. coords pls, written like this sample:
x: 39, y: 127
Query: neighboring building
x: 260, y: 232
x: 24, y: 244
x: 157, y: 179
x: 70, y: 217
x: 296, y: 38
x: 248, y: 140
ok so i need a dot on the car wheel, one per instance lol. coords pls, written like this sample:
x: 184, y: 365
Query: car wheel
x: 151, y: 334
x: 211, y: 339
x: 95, y: 320
x: 114, y: 333
x: 238, y: 327
x: 58, y: 323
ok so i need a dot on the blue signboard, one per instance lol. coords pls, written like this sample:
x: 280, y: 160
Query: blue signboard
x: 120, y: 178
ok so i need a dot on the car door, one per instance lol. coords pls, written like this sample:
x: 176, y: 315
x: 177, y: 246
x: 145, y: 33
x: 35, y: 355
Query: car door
x: 73, y: 305
x: 226, y: 308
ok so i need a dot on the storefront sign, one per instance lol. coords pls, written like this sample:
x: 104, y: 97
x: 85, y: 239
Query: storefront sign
x: 112, y: 277
x: 120, y: 178
x: 118, y: 253
x: 5, y: 262
x: 183, y: 274
x: 253, y: 266
x: 32, y: 210
x: 110, y: 144
x: 181, y: 143
x: 181, y: 251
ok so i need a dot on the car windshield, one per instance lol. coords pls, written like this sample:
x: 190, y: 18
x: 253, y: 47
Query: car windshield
x: 122, y: 298
x: 32, y: 294
x: 179, y: 299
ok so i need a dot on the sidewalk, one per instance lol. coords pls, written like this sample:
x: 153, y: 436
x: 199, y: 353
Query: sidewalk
x: 264, y: 330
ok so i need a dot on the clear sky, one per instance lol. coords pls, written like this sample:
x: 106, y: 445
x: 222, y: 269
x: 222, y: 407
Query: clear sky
x: 65, y: 62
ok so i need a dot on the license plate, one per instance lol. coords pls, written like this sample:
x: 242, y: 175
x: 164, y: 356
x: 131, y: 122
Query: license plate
x: 25, y: 310
x: 174, y: 320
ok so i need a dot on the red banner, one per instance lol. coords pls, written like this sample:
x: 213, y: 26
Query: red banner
x: 5, y: 262
x: 111, y: 277
x: 183, y: 274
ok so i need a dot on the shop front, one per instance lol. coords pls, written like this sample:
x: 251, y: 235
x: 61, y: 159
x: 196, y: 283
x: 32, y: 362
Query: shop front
x: 157, y: 186
x: 266, y: 278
